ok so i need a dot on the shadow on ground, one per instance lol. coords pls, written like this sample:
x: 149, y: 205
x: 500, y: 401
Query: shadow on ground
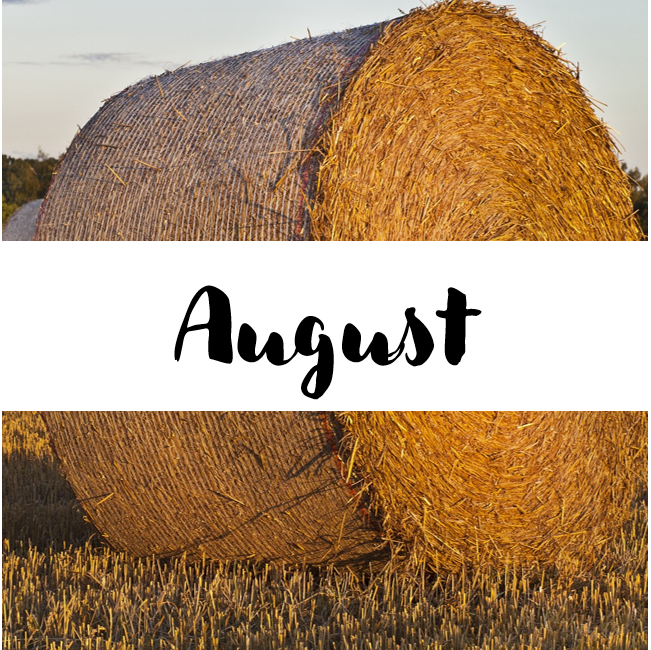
x: 38, y: 506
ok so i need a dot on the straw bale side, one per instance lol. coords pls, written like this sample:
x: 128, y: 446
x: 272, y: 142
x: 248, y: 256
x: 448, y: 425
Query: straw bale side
x: 464, y: 124
x: 263, y: 485
x: 216, y: 151
x: 457, y: 488
x: 445, y: 488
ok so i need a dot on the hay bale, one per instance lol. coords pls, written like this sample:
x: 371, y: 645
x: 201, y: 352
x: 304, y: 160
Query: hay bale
x: 460, y: 123
x: 464, y: 124
x: 217, y: 151
x: 448, y: 488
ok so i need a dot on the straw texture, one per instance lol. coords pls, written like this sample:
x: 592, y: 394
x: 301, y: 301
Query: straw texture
x: 459, y: 123
x: 458, y: 488
x: 466, y: 125
x: 261, y: 485
x: 217, y: 151
x: 445, y: 488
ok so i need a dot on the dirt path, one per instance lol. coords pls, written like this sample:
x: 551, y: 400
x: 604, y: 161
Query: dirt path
x: 22, y: 225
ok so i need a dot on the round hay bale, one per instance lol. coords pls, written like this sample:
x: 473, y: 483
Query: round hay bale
x: 447, y: 488
x: 464, y: 124
x: 459, y: 123
x: 217, y: 151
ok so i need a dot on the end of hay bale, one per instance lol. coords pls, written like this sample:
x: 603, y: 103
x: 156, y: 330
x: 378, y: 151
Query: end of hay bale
x: 464, y: 124
x: 461, y: 488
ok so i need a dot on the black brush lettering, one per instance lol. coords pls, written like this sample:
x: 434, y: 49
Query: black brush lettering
x: 220, y: 346
x: 455, y: 325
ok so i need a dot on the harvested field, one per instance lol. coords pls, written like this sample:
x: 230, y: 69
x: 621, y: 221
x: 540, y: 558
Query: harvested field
x: 63, y: 588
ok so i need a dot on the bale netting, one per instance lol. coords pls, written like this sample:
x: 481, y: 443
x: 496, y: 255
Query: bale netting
x: 455, y: 122
x: 446, y: 488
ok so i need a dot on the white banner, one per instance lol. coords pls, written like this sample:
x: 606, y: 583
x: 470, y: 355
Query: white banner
x: 94, y: 326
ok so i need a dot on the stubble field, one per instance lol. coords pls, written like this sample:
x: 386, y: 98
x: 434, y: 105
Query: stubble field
x: 64, y: 588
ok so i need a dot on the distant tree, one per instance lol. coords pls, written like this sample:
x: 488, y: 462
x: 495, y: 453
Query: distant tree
x: 44, y: 166
x: 20, y: 182
x: 7, y: 210
x: 639, y: 195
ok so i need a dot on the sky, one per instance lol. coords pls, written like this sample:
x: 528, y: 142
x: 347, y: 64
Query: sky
x: 62, y: 58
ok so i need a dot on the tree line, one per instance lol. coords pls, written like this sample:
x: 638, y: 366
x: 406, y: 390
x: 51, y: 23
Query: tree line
x: 639, y: 195
x: 27, y: 179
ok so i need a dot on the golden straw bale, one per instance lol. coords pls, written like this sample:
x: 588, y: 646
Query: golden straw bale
x: 444, y: 488
x: 455, y: 122
x: 464, y: 124
x: 217, y: 151
x: 229, y: 485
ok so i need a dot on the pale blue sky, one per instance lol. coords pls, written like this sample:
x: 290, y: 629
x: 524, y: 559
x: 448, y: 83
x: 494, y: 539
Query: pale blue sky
x: 61, y: 58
